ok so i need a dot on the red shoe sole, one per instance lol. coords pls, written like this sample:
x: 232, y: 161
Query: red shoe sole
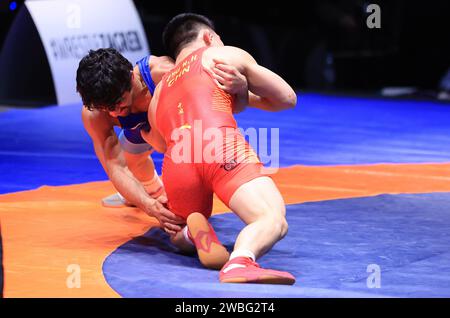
x: 260, y: 280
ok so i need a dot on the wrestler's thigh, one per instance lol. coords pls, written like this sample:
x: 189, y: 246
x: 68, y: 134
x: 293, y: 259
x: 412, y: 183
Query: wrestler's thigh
x: 258, y: 198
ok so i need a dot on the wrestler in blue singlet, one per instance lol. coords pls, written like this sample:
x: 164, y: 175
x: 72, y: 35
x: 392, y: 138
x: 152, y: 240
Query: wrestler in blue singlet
x: 130, y: 138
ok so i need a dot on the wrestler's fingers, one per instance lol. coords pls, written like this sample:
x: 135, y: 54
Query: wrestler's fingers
x: 170, y: 232
x: 162, y: 199
x: 172, y: 221
x: 219, y: 79
x: 221, y: 73
x: 173, y: 218
x: 171, y: 228
x: 228, y: 69
x: 219, y: 61
x: 220, y: 85
x: 165, y: 221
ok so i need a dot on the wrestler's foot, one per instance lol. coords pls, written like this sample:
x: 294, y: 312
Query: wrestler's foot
x: 245, y: 270
x: 211, y: 252
x: 115, y: 201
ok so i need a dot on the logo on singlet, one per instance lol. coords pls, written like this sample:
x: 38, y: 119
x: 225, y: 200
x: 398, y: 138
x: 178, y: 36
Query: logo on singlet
x: 229, y: 165
x: 180, y: 109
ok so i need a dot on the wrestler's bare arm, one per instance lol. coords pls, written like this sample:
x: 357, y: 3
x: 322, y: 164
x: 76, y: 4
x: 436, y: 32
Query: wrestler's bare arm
x: 99, y: 127
x: 109, y: 152
x: 159, y: 66
x: 270, y: 91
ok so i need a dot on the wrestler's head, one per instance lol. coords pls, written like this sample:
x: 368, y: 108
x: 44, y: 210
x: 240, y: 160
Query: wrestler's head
x: 186, y: 28
x: 104, y: 81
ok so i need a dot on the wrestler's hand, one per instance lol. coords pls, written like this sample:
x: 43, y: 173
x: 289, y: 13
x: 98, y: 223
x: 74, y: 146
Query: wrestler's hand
x: 170, y: 222
x: 229, y: 79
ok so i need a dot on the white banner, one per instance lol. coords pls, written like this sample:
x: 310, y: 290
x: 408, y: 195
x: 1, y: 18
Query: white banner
x: 70, y: 28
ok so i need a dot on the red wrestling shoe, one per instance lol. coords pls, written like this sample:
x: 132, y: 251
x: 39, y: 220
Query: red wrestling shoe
x: 245, y: 270
x: 211, y: 252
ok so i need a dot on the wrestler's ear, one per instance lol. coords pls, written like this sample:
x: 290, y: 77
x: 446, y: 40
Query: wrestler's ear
x: 207, y: 37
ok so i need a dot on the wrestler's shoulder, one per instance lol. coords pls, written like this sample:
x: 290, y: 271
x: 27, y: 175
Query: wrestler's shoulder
x: 225, y: 52
x: 161, y: 62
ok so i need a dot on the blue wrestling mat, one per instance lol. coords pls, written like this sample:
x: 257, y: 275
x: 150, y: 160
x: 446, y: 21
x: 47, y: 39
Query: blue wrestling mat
x: 330, y: 248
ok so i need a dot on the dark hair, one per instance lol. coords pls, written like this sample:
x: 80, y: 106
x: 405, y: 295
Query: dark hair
x: 103, y: 76
x: 182, y: 30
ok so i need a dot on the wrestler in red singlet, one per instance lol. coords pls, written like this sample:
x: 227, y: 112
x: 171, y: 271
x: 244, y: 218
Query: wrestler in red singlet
x: 188, y: 98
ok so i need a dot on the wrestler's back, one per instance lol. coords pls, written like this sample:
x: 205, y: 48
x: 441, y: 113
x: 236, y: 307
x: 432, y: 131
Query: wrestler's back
x: 189, y: 96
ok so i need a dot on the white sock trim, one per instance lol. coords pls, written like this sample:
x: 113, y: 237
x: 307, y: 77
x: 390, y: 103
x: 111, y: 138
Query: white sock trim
x: 233, y: 266
x: 242, y: 253
x: 186, y: 235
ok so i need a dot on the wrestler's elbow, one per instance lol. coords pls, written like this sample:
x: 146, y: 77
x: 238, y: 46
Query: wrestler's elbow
x: 291, y: 100
x: 287, y: 101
